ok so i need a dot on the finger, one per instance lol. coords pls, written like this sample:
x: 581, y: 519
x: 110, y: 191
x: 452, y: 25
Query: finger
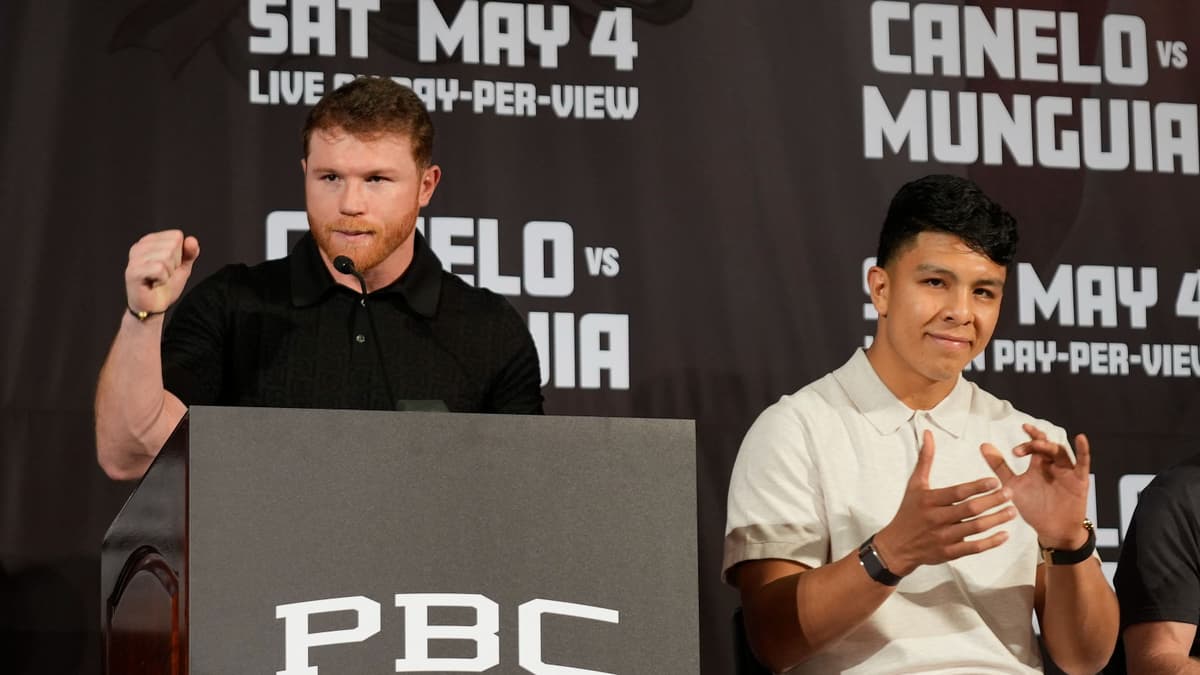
x: 1083, y: 453
x: 176, y: 253
x: 163, y: 239
x: 1042, y: 447
x: 156, y: 274
x: 920, y: 474
x: 149, y: 273
x: 995, y: 460
x: 949, y: 496
x: 154, y: 251
x: 976, y: 506
x: 1048, y: 450
x: 167, y: 244
x: 960, y: 531
x: 1034, y: 432
x: 173, y: 236
x: 965, y: 548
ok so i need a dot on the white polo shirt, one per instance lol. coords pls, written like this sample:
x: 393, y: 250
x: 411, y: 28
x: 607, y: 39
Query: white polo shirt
x: 825, y: 468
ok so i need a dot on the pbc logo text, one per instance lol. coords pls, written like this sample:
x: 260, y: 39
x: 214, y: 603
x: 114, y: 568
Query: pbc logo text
x: 418, y: 632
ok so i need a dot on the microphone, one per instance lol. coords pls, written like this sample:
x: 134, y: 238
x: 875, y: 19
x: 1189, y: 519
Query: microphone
x: 345, y: 265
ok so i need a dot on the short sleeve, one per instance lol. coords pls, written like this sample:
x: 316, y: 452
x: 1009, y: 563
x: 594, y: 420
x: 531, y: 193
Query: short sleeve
x: 193, y: 361
x: 1158, y: 577
x: 776, y: 505
x: 516, y: 387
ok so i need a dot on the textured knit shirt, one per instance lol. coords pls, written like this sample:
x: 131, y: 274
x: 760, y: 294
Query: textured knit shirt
x: 825, y: 468
x: 1158, y: 578
x: 284, y: 334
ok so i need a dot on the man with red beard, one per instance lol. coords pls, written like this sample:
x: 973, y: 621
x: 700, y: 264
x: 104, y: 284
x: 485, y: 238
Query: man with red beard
x: 298, y: 332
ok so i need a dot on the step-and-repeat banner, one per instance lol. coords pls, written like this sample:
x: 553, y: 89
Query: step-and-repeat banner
x: 681, y: 196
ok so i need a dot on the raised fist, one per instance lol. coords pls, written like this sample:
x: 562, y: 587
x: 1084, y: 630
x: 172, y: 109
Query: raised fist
x: 159, y: 266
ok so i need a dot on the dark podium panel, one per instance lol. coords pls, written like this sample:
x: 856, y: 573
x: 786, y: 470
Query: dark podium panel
x: 317, y: 542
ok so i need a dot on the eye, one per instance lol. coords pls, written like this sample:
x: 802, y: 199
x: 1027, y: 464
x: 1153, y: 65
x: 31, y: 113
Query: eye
x: 329, y: 177
x: 377, y: 179
x: 985, y: 293
x: 934, y: 282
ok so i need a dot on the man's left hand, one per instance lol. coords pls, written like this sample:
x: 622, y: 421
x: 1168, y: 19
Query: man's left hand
x: 1051, y: 495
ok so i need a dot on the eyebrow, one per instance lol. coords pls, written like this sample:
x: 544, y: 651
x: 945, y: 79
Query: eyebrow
x: 372, y: 172
x: 929, y: 268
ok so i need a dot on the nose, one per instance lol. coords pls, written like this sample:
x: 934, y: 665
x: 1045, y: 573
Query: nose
x: 352, y: 201
x: 958, y: 307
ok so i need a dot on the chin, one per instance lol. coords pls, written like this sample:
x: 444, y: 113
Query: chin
x: 942, y: 372
x: 365, y: 258
x: 941, y: 376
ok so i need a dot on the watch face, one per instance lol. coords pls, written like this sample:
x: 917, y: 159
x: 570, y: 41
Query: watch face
x: 870, y: 561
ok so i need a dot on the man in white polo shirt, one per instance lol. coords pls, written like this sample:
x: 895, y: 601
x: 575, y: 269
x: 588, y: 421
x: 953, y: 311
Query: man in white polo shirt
x: 894, y: 517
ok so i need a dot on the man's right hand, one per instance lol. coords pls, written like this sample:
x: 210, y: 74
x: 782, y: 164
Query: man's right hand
x: 159, y: 266
x: 931, y: 525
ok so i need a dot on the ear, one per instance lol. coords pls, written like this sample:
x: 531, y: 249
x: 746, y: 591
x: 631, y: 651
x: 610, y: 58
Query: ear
x: 880, y: 286
x: 430, y: 178
x: 304, y: 166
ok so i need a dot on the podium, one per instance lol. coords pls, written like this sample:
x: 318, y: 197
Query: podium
x: 323, y: 542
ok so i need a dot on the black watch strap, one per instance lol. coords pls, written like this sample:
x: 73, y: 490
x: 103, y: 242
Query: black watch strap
x: 869, y: 558
x: 1055, y: 557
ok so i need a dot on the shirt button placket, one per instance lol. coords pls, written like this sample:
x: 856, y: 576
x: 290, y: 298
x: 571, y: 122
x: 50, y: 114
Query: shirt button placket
x: 920, y: 423
x: 360, y: 322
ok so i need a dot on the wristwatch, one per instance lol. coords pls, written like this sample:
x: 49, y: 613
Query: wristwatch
x: 1054, y: 557
x: 869, y: 558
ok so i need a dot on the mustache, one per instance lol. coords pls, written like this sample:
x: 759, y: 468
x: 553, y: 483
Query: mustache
x: 349, y: 224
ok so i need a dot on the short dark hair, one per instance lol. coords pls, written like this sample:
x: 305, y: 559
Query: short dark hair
x: 370, y: 106
x: 949, y: 204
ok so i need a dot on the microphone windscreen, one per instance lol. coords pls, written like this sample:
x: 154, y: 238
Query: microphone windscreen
x: 343, y: 264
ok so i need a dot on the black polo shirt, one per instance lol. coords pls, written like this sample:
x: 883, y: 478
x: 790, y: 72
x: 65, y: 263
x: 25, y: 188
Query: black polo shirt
x: 1158, y: 576
x: 285, y: 334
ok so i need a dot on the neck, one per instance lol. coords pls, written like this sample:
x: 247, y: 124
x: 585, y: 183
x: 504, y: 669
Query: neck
x: 913, y: 389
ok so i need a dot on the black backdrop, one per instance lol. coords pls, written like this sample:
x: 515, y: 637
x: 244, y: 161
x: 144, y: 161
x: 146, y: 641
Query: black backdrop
x: 727, y: 213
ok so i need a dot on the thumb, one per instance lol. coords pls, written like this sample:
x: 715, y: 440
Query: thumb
x: 920, y: 474
x: 191, y: 251
x: 996, y: 461
x: 1083, y: 453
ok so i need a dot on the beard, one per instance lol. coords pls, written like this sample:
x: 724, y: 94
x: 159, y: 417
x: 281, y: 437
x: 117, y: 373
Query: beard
x: 381, y: 242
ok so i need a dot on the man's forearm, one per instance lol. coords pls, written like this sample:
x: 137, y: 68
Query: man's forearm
x: 1080, y: 618
x: 134, y: 414
x: 1164, y: 664
x: 796, y: 616
x: 1160, y: 648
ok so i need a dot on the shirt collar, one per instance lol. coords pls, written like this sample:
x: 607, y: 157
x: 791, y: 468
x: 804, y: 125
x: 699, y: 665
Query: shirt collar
x: 420, y: 285
x: 887, y: 413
